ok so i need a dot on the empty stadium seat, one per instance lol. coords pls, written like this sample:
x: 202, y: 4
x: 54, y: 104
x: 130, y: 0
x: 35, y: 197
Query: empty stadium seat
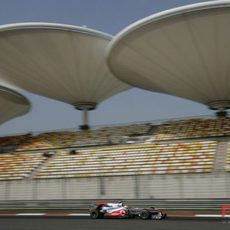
x: 164, y: 158
x: 193, y: 128
x: 19, y: 166
x: 227, y: 167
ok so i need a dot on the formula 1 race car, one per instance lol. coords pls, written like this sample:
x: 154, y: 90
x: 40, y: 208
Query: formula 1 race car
x: 103, y: 209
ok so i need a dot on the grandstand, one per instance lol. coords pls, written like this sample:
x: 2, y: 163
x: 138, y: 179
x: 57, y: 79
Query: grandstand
x: 121, y: 134
x: 10, y: 143
x: 228, y: 159
x: 19, y: 166
x: 177, y: 154
x: 102, y: 136
x: 194, y: 128
x: 187, y: 157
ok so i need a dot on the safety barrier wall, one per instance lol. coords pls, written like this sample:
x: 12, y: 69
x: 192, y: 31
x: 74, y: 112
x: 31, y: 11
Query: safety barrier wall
x: 179, y: 186
x: 85, y: 204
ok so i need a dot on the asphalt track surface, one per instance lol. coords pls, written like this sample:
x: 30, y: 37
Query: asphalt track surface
x: 73, y: 223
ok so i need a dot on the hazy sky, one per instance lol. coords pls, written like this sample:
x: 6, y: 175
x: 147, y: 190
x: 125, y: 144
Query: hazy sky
x: 109, y: 16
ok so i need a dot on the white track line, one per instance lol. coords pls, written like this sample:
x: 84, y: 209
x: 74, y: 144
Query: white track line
x: 210, y: 215
x: 30, y: 214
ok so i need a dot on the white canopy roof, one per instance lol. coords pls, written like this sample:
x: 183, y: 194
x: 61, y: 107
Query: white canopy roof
x: 62, y: 62
x: 12, y: 104
x: 183, y: 52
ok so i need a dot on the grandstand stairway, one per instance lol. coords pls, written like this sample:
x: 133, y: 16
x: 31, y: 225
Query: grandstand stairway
x: 152, y: 130
x: 45, y: 162
x: 221, y: 156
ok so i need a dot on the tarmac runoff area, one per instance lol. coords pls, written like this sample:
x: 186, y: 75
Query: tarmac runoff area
x: 46, y: 222
x: 75, y: 221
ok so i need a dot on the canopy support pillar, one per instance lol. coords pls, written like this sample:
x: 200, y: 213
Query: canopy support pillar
x: 84, y: 125
x: 85, y: 107
x: 221, y: 106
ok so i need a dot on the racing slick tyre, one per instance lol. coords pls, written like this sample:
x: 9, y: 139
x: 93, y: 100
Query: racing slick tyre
x: 95, y: 214
x: 144, y: 214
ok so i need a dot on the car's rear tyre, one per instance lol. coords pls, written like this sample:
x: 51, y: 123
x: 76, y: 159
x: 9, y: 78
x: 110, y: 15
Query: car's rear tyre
x: 144, y: 215
x: 94, y: 214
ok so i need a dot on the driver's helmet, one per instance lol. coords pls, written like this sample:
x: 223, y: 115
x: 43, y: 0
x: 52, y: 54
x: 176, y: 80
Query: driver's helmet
x: 120, y: 203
